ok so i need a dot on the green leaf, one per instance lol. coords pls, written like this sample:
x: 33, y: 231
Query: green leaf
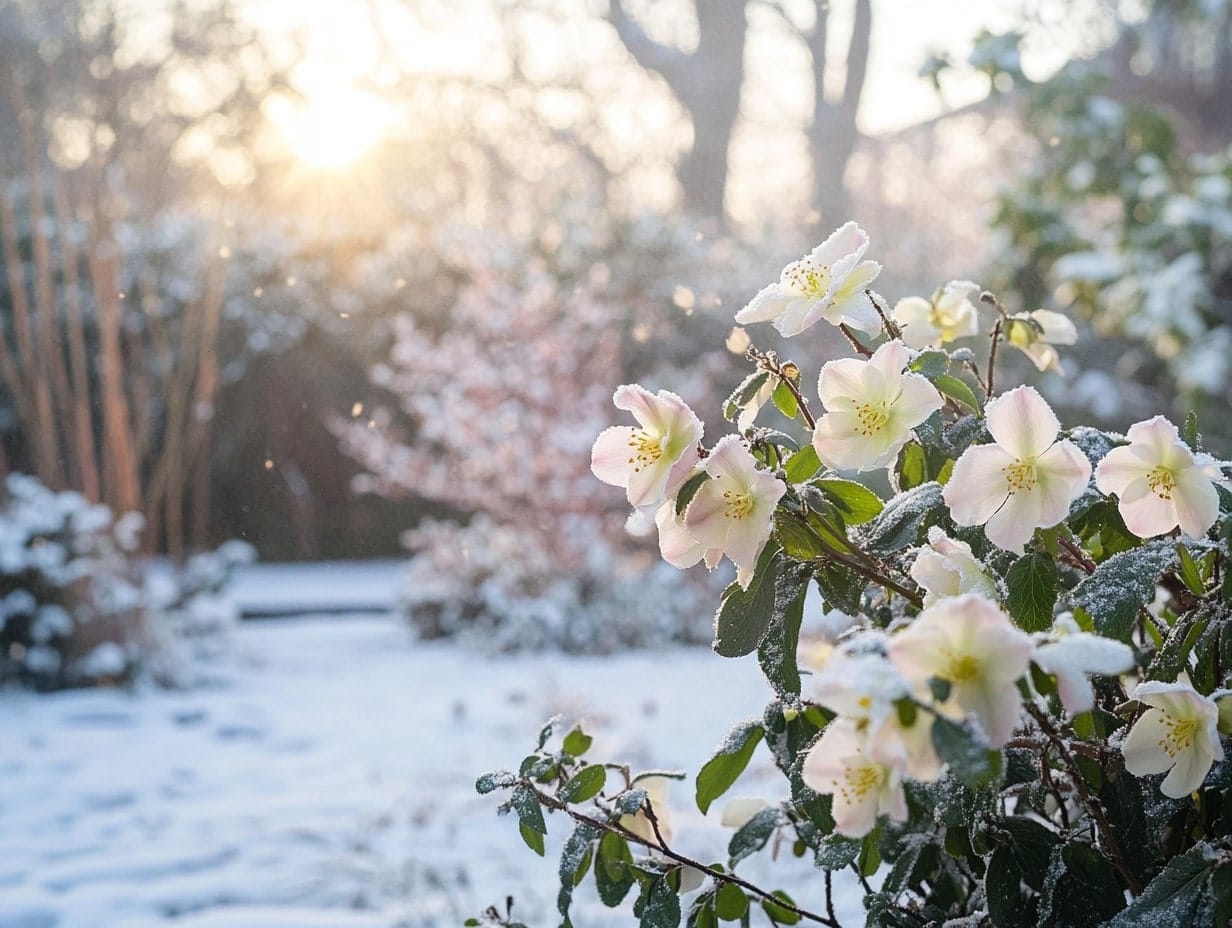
x: 1190, y: 433
x: 577, y: 743
x: 744, y: 615
x: 1002, y: 887
x: 930, y: 363
x: 743, y: 394
x: 701, y: 913
x: 586, y: 784
x: 959, y: 390
x: 870, y: 855
x: 1032, y: 583
x: 533, y: 839
x: 1122, y: 585
x: 968, y: 758
x: 836, y: 852
x: 728, y: 762
x: 840, y: 587
x: 526, y: 804
x: 803, y: 464
x: 688, y: 490
x: 785, y: 400
x: 1081, y: 889
x: 1188, y: 570
x: 777, y: 912
x: 778, y: 649
x: 796, y: 537
x: 613, y: 869
x: 857, y: 503
x: 752, y: 836
x: 730, y: 902
x: 912, y: 467
x: 662, y: 906
x: 630, y: 801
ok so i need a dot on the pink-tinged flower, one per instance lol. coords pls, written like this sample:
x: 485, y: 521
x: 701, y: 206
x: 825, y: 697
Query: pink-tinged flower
x: 1071, y: 655
x: 828, y: 283
x: 970, y: 643
x: 871, y: 408
x: 1178, y: 733
x: 677, y: 546
x: 733, y: 511
x: 1025, y: 480
x: 840, y: 765
x: 1159, y: 483
x: 950, y: 314
x: 739, y: 809
x: 1035, y: 333
x: 946, y: 567
x: 864, y: 688
x: 649, y: 461
x: 656, y: 794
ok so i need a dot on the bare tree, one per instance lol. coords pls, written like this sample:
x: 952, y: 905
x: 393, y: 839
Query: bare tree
x: 707, y: 83
x: 832, y: 133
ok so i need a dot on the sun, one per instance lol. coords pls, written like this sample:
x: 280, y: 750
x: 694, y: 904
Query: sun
x: 330, y: 128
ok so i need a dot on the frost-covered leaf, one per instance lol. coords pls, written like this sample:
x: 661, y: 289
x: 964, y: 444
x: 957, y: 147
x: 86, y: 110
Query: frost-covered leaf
x: 743, y: 394
x: 729, y: 760
x: 630, y: 801
x: 752, y: 836
x: 930, y: 363
x: 1081, y: 889
x: 785, y: 400
x: 688, y: 490
x: 968, y: 757
x: 905, y: 520
x: 803, y: 464
x: 778, y: 649
x: 613, y: 869
x: 575, y: 859
x: 533, y: 839
x: 493, y: 780
x: 1122, y: 585
x: 958, y: 390
x: 836, y: 852
x: 661, y: 906
x: 1176, y: 896
x: 526, y: 804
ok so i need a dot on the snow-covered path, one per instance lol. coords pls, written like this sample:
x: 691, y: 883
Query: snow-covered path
x: 326, y: 779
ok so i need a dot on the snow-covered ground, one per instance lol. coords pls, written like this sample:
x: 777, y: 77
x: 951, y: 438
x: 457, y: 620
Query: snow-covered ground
x: 325, y: 780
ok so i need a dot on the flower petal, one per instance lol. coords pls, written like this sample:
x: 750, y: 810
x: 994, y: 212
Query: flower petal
x: 1192, y: 766
x: 609, y: 458
x: 767, y: 305
x: 840, y: 382
x: 1022, y: 423
x: 1146, y: 514
x: 1196, y: 502
x: 1119, y: 468
x: 977, y: 487
x: 918, y: 400
x: 1141, y: 749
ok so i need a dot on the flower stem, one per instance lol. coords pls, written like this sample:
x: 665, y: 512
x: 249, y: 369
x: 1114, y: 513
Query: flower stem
x: 660, y: 845
x: 859, y: 346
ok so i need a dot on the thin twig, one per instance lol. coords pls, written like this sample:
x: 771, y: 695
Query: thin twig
x: 859, y: 346
x: 891, y: 327
x: 1079, y: 556
x: 992, y: 360
x: 660, y: 845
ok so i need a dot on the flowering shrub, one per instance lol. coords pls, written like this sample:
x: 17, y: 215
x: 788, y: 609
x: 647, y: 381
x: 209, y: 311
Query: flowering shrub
x: 1022, y: 723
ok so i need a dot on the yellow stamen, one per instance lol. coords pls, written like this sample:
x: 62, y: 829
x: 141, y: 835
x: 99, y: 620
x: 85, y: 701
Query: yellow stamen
x: 1161, y: 481
x: 809, y: 278
x: 860, y: 781
x: 647, y: 449
x: 962, y: 668
x: 873, y: 418
x: 1021, y: 476
x: 1179, y: 736
x: 737, y: 505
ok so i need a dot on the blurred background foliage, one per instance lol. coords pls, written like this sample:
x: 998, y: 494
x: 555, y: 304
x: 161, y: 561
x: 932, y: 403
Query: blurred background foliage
x: 311, y: 277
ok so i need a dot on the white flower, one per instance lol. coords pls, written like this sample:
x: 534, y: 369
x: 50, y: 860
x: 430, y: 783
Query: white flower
x: 677, y: 546
x: 1160, y: 483
x: 1070, y: 655
x: 969, y: 642
x: 950, y: 314
x: 1178, y: 733
x: 871, y: 408
x: 1035, y: 333
x: 1025, y: 481
x: 946, y: 567
x: 739, y: 809
x: 827, y: 283
x: 733, y: 511
x: 656, y: 794
x: 840, y: 765
x: 650, y: 461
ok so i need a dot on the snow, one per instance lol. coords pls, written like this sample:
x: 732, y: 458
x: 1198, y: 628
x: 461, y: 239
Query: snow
x: 330, y: 586
x: 325, y: 778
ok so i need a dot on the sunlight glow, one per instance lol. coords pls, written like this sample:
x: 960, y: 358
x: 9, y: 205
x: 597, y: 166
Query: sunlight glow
x: 331, y: 128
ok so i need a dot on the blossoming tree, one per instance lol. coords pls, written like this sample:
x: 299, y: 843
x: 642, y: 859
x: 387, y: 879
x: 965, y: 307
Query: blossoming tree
x: 1022, y: 722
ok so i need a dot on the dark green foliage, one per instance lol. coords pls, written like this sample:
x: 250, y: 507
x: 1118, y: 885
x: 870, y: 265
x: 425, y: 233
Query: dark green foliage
x: 728, y: 762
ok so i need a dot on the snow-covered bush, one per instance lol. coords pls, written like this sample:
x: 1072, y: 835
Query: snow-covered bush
x: 80, y: 606
x: 1024, y: 720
